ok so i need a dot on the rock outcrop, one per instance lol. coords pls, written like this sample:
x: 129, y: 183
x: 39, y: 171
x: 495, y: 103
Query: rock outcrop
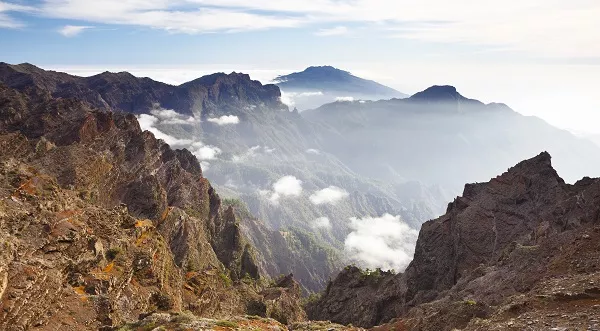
x: 498, y: 256
x: 101, y: 223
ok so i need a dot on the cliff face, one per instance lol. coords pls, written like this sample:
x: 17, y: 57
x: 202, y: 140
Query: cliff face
x: 504, y: 245
x: 101, y: 222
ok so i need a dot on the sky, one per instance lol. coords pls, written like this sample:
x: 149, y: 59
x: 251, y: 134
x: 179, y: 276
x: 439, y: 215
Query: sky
x: 541, y: 57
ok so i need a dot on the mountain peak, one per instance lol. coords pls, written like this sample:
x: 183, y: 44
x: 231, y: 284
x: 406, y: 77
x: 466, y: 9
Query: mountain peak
x: 439, y: 93
x: 331, y: 83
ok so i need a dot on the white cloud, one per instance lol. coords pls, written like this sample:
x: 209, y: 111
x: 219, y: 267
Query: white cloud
x: 185, y: 16
x: 204, y: 152
x: 313, y: 151
x: 225, y: 120
x: 72, y: 30
x: 205, y: 165
x: 200, y: 150
x: 289, y: 98
x: 9, y: 22
x: 545, y: 28
x: 330, y: 195
x: 344, y: 99
x: 337, y: 31
x: 253, y: 152
x: 321, y: 223
x: 148, y: 123
x: 287, y: 186
x: 381, y: 242
x: 169, y: 116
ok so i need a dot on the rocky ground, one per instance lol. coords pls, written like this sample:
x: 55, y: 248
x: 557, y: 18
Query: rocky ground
x: 521, y: 252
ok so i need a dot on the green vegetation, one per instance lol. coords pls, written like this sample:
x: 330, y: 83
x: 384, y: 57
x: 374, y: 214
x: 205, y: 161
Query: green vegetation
x: 226, y: 280
x: 227, y: 324
x: 470, y: 302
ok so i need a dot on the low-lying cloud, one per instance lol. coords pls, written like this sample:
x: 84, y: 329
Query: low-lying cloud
x: 290, y: 98
x: 344, y: 99
x: 384, y: 242
x: 253, y: 152
x: 321, y: 223
x: 313, y: 151
x: 169, y: 116
x: 165, y: 116
x: 204, y: 152
x: 330, y: 195
x: 149, y: 122
x: 287, y: 186
x: 225, y: 120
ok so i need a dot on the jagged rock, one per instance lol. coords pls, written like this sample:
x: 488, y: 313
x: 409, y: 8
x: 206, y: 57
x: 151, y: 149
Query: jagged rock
x: 498, y: 241
x: 102, y: 222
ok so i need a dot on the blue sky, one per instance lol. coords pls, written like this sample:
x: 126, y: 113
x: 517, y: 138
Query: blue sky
x: 542, y: 57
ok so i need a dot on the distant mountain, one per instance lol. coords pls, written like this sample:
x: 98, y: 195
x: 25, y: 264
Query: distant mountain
x: 316, y: 86
x: 267, y: 143
x: 439, y: 136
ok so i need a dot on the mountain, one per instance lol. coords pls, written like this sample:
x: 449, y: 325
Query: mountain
x: 125, y: 92
x: 268, y: 143
x: 316, y: 86
x: 102, y: 222
x: 518, y: 252
x: 440, y: 137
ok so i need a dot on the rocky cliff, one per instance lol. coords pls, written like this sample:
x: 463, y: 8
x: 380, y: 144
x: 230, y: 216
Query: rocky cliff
x: 519, y: 251
x: 102, y: 223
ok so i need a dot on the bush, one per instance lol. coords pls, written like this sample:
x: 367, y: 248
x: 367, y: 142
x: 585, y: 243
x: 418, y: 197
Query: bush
x: 226, y: 324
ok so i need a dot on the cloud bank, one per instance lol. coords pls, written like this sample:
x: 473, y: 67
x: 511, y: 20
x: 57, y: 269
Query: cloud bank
x: 225, y: 120
x: 290, y: 98
x: 165, y: 116
x: 384, y: 242
x: 344, y: 99
x: 287, y: 186
x: 169, y: 116
x: 330, y: 195
x: 149, y: 122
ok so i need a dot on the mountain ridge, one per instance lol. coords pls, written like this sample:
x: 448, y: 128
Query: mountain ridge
x: 504, y: 244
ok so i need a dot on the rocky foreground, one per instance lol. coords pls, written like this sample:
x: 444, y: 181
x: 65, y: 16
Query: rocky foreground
x: 521, y: 252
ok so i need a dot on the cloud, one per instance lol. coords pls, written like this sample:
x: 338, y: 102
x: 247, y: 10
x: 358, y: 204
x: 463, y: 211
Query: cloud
x: 344, y: 99
x: 169, y: 116
x: 337, y: 31
x: 381, y: 242
x: 225, y: 120
x: 204, y: 152
x: 321, y: 223
x: 73, y: 30
x: 253, y: 152
x: 9, y: 22
x: 330, y: 195
x: 200, y: 150
x: 313, y: 151
x: 290, y: 98
x: 287, y: 186
x: 545, y: 28
x: 148, y: 123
